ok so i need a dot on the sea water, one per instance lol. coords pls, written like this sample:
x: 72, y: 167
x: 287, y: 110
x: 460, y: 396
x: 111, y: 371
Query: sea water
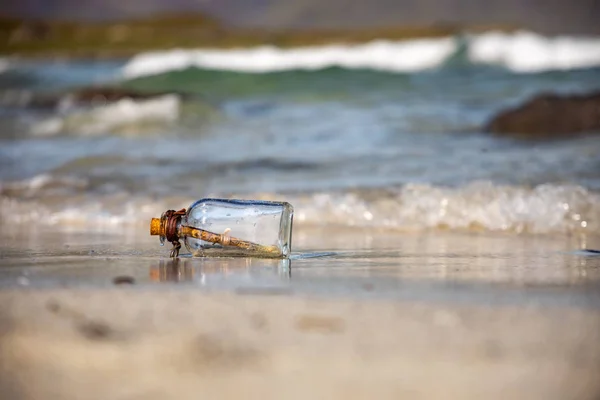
x: 383, y: 135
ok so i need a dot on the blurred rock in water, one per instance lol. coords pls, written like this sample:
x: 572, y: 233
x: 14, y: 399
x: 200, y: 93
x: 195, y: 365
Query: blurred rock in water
x: 550, y: 116
x: 100, y: 96
x: 79, y: 98
x: 93, y: 110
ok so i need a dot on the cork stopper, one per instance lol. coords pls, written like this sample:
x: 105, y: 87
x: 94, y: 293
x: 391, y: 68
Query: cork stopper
x: 156, y: 227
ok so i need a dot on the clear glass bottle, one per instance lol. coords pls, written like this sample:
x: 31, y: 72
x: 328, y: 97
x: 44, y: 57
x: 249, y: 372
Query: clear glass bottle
x: 229, y: 228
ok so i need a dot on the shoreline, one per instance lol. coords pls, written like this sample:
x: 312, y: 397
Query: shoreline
x: 323, y: 257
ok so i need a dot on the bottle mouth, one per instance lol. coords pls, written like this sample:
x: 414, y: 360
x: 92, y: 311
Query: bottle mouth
x: 166, y: 225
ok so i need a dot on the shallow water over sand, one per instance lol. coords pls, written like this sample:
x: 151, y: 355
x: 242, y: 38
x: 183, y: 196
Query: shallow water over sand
x: 472, y: 268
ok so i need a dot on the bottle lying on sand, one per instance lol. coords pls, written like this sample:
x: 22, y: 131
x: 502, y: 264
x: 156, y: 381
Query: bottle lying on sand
x: 228, y: 228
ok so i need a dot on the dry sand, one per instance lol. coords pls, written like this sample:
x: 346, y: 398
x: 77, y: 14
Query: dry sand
x: 157, y: 344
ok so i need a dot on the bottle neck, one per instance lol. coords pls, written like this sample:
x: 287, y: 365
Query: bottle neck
x: 168, y: 226
x: 173, y: 224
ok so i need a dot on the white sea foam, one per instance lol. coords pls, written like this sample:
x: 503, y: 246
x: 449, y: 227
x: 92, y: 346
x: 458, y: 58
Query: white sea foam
x: 109, y: 117
x: 529, y: 52
x: 399, y: 56
x: 547, y: 209
x: 520, y: 52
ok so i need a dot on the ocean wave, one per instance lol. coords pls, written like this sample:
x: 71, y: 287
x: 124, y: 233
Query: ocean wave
x: 405, y: 56
x: 122, y: 115
x: 529, y: 52
x: 480, y: 206
x: 547, y: 208
x: 519, y: 52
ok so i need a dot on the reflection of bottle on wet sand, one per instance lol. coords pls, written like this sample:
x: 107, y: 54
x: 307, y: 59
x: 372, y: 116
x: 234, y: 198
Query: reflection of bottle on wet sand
x: 188, y: 270
x: 171, y: 271
x: 249, y: 228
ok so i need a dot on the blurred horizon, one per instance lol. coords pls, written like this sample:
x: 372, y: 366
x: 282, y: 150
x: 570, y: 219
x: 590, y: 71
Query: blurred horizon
x: 549, y: 17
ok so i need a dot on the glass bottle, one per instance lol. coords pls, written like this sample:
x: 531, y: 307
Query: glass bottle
x: 228, y: 228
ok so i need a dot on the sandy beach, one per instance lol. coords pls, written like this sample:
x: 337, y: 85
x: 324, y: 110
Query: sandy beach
x: 445, y: 181
x: 439, y: 315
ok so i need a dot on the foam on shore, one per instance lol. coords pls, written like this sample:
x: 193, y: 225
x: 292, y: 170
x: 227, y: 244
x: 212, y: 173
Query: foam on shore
x: 480, y: 206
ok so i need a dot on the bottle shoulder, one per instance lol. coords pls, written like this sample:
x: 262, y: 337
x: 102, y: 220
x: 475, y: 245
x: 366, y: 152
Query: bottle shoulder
x: 237, y: 203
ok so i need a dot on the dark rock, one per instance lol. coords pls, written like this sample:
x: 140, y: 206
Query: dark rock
x: 88, y: 97
x: 549, y: 116
x: 111, y: 94
x: 91, y: 97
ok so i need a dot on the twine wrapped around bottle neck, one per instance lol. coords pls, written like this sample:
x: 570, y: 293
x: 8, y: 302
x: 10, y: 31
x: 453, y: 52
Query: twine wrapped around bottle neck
x: 166, y: 225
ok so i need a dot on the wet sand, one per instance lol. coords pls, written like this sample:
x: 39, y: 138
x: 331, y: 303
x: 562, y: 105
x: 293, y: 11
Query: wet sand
x: 380, y: 315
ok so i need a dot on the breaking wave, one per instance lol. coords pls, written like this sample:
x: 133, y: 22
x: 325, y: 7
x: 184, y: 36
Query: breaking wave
x: 383, y: 55
x: 521, y: 52
x: 120, y: 115
x: 528, y: 52
x: 480, y: 206
x: 63, y: 115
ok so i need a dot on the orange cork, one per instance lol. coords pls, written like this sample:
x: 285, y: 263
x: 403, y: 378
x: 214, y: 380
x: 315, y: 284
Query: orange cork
x: 156, y: 227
